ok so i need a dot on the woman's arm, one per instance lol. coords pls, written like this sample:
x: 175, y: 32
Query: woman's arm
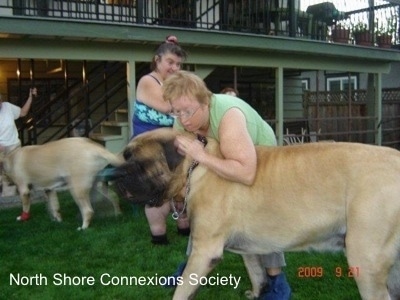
x: 149, y: 92
x: 27, y: 106
x: 240, y: 160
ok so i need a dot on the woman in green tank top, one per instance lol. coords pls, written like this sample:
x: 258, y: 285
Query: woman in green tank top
x: 260, y: 132
x: 237, y: 127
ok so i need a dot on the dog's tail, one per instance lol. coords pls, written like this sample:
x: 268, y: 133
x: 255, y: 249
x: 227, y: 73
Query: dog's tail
x: 394, y: 280
x: 112, y: 160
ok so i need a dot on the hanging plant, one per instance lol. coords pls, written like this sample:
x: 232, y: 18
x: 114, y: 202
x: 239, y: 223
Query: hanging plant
x: 341, y: 33
x: 362, y: 35
x: 385, y: 32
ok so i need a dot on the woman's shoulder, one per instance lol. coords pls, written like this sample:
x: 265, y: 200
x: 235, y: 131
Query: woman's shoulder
x: 149, y: 80
x: 8, y: 108
x: 222, y: 102
x: 148, y: 91
x: 8, y: 105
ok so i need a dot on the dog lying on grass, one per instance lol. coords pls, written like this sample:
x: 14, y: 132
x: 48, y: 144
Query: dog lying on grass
x: 71, y: 163
x: 319, y: 196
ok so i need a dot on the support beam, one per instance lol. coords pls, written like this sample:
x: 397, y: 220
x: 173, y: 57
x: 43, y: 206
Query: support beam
x: 131, y: 91
x: 279, y: 105
x: 378, y: 108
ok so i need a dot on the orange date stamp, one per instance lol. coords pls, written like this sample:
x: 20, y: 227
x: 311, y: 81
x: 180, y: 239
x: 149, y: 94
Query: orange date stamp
x: 319, y: 271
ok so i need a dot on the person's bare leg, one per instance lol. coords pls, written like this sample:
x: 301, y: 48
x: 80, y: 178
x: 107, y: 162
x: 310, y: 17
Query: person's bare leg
x: 157, y: 218
x: 273, y: 271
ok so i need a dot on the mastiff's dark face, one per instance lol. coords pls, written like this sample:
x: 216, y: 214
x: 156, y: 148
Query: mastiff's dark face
x: 150, y: 160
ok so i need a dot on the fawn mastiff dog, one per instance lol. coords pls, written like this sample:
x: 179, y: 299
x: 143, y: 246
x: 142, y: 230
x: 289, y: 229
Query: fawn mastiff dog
x: 319, y: 196
x: 71, y: 162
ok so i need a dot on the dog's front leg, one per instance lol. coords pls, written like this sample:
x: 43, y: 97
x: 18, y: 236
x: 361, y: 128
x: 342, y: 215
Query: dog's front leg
x: 256, y: 273
x: 54, y: 205
x: 204, y: 257
x: 26, y: 204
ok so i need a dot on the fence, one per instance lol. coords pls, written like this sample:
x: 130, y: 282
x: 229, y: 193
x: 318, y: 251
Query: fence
x: 341, y: 117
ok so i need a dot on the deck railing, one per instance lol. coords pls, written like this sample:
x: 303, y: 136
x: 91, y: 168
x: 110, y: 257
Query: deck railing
x: 278, y: 17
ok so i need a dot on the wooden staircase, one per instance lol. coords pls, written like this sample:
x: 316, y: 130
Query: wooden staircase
x: 114, y: 135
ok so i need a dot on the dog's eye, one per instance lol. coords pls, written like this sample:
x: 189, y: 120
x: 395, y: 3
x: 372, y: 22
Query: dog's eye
x: 127, y: 154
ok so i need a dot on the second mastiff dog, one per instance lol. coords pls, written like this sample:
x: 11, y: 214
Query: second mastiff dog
x: 71, y: 163
x: 319, y: 196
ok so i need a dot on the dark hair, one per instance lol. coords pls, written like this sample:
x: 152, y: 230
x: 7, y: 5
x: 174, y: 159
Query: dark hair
x: 170, y: 45
x: 230, y: 89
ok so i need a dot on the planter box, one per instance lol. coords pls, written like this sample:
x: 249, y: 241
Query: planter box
x: 363, y: 38
x: 340, y: 35
x: 384, y: 40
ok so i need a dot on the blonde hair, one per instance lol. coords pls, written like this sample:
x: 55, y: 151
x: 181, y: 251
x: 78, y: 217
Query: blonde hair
x: 184, y: 83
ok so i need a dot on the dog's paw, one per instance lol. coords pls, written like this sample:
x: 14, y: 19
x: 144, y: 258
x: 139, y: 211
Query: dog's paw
x: 57, y: 218
x: 250, y: 295
x: 25, y: 216
x: 81, y: 228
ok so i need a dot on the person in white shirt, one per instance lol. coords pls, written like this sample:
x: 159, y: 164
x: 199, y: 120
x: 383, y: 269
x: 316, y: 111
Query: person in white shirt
x: 9, y: 139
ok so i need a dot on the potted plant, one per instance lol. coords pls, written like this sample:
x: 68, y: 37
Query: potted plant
x: 341, y: 33
x: 362, y: 35
x: 385, y: 33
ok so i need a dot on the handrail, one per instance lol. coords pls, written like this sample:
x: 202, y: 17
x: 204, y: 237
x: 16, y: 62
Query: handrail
x: 221, y: 15
x: 115, y: 72
x: 66, y: 130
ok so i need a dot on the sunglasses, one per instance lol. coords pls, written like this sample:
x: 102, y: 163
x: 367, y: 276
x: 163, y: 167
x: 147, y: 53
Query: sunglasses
x: 184, y: 114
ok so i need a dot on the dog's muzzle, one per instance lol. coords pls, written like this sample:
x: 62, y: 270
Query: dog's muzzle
x: 136, y: 188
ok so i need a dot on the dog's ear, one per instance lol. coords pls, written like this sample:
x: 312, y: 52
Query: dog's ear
x: 127, y: 154
x: 177, y: 183
x: 171, y: 154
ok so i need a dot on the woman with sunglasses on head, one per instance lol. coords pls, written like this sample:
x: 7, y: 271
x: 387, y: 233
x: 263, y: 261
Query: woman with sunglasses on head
x: 151, y: 112
x: 238, y: 128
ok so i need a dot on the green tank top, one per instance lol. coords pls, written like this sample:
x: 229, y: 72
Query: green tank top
x: 260, y: 132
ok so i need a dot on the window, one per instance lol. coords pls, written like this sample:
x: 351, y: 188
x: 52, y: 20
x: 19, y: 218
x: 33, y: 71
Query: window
x: 338, y: 87
x: 336, y: 84
x: 305, y: 83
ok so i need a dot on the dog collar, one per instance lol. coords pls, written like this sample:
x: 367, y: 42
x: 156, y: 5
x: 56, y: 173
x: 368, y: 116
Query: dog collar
x: 193, y: 165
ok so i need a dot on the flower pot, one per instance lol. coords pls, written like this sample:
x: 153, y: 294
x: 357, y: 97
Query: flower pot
x: 384, y: 40
x: 340, y: 35
x: 363, y: 38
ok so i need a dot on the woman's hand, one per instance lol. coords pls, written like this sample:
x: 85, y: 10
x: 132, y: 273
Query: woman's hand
x: 193, y: 148
x: 33, y: 92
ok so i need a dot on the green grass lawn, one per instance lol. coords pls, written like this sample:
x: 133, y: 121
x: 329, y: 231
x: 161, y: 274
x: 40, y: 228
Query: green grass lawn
x: 116, y: 247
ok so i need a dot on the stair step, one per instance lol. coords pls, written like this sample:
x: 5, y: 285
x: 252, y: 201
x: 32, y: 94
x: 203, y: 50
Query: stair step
x: 115, y: 123
x: 113, y: 143
x: 121, y: 115
x: 105, y: 137
x: 114, y: 128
